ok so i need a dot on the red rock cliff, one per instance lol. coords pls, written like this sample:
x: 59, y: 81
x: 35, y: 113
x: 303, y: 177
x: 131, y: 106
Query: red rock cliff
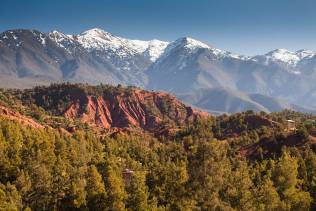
x: 137, y: 108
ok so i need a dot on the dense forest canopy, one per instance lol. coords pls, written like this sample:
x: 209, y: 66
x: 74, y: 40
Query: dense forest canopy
x: 245, y: 161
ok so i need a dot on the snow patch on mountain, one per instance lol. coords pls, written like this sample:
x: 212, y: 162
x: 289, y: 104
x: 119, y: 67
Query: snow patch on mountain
x: 42, y: 39
x: 283, y: 55
x: 305, y: 54
x: 62, y: 40
x: 154, y: 49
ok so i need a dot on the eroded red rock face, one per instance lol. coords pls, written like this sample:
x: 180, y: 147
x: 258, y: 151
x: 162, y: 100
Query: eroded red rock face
x: 16, y: 116
x: 137, y: 108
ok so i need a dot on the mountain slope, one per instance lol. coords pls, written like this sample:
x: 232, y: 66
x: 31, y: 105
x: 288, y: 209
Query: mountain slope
x: 94, y: 56
x: 217, y: 100
x: 33, y: 57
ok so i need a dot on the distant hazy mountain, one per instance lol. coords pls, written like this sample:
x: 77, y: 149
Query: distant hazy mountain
x: 224, y: 100
x: 188, y: 65
x: 210, y: 78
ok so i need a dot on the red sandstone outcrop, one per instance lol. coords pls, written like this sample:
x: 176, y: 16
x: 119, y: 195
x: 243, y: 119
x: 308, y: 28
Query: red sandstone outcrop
x: 137, y: 108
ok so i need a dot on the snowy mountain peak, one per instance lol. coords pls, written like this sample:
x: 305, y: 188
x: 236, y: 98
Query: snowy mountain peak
x: 187, y: 43
x: 55, y: 32
x: 190, y: 43
x: 98, y: 39
x: 303, y: 53
x: 283, y: 55
x: 56, y: 35
x: 279, y: 52
x: 191, y: 46
x: 95, y: 32
x: 289, y: 57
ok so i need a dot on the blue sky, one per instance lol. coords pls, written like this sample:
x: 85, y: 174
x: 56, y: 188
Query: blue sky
x: 241, y: 26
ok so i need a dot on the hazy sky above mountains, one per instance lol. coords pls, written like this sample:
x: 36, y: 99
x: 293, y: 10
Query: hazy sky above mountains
x: 241, y: 26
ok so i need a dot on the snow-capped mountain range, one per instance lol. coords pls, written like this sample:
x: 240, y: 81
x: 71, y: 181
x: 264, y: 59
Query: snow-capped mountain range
x: 183, y: 66
x: 99, y: 40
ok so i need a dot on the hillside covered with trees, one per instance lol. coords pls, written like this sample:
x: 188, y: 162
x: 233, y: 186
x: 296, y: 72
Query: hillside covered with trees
x: 182, y: 160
